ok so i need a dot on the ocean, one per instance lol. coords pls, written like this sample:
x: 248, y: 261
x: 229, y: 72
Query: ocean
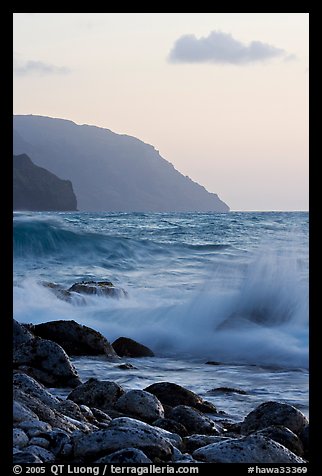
x: 225, y: 287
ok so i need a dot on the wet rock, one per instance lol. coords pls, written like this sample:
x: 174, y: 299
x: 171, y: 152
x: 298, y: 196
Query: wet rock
x: 126, y: 456
x: 20, y: 335
x: 274, y: 413
x: 126, y: 347
x: 135, y: 425
x: 38, y: 441
x: 59, y: 440
x: 35, y: 389
x: 173, y: 395
x: 285, y: 437
x: 22, y: 413
x: 45, y: 455
x: 219, y: 390
x: 193, y: 442
x: 194, y: 420
x: 249, y: 449
x: 101, y: 394
x: 99, y: 288
x: 35, y: 428
x: 71, y: 409
x: 100, y: 416
x: 43, y: 412
x: 26, y: 457
x: 178, y: 457
x: 58, y: 290
x: 75, y: 338
x: 126, y: 366
x: 140, y: 404
x: 19, y: 438
x: 47, y: 362
x: 213, y: 362
x: 122, y: 436
x: 171, y: 425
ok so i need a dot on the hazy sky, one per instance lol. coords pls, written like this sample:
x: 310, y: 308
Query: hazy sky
x: 223, y: 96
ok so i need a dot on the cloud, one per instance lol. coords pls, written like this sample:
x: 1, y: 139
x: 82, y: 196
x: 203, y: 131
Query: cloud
x: 221, y: 48
x: 23, y: 68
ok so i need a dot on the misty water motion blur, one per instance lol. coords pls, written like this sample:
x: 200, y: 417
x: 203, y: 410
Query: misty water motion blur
x: 201, y: 286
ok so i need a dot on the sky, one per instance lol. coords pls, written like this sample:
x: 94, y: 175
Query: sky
x: 222, y: 96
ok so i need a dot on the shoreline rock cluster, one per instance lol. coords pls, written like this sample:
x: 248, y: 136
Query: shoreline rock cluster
x: 100, y: 422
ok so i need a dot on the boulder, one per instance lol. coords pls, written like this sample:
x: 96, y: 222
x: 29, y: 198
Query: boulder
x: 101, y: 394
x: 173, y: 395
x: 19, y: 438
x: 274, y: 413
x: 21, y: 335
x: 98, y: 288
x: 285, y: 437
x: 249, y: 449
x: 26, y: 457
x: 48, y: 362
x: 35, y: 428
x: 219, y: 390
x: 122, y: 435
x: 75, y: 338
x: 38, y: 441
x: 194, y: 420
x: 171, y: 425
x: 140, y: 404
x: 126, y: 347
x: 193, y: 442
x: 30, y: 386
x: 22, y: 413
x: 45, y: 455
x: 135, y: 425
x: 126, y: 456
x: 47, y: 415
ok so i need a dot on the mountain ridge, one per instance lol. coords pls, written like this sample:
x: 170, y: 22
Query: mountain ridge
x: 109, y: 171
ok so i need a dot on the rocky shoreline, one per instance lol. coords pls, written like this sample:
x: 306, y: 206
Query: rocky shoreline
x: 100, y: 422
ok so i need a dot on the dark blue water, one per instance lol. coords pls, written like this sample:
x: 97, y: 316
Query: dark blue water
x: 201, y: 286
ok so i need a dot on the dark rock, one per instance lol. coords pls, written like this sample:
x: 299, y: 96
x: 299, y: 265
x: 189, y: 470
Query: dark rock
x: 173, y: 395
x: 59, y: 291
x: 22, y: 413
x: 26, y: 457
x: 95, y: 393
x: 100, y: 416
x: 220, y: 390
x: 38, y: 441
x: 19, y: 438
x: 171, y: 425
x: 126, y: 366
x: 35, y: 428
x: 140, y: 404
x: 126, y: 456
x: 99, y: 288
x: 21, y: 335
x: 125, y: 347
x: 285, y: 437
x: 42, y: 411
x: 193, y: 442
x: 75, y: 338
x: 274, y: 413
x: 71, y: 409
x: 58, y: 441
x: 35, y: 389
x: 45, y: 455
x: 249, y: 449
x: 48, y: 362
x: 135, y: 425
x: 123, y: 436
x: 213, y: 362
x: 194, y: 420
